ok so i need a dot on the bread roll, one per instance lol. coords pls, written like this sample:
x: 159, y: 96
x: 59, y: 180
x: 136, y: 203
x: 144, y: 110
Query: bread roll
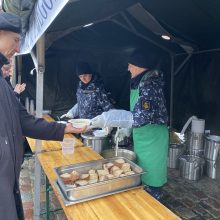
x: 81, y: 182
x: 102, y: 178
x: 126, y: 167
x: 84, y: 176
x: 66, y: 178
x: 113, y: 169
x: 109, y: 165
x: 92, y: 171
x: 102, y: 172
x: 75, y: 175
x: 117, y: 173
x: 93, y: 176
x: 110, y: 176
x: 119, y: 162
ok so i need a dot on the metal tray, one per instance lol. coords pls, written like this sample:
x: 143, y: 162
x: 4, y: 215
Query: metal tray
x: 99, y: 188
x: 68, y: 202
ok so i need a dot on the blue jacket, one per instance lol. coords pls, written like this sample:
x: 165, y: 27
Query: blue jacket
x: 151, y: 106
x: 92, y: 99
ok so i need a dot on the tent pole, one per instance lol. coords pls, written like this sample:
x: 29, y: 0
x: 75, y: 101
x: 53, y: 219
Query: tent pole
x: 182, y: 64
x: 171, y: 91
x: 40, y: 46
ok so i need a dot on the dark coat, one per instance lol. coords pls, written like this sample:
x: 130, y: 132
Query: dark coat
x: 15, y: 123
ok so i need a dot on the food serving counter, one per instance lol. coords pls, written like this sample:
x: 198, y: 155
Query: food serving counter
x: 134, y: 204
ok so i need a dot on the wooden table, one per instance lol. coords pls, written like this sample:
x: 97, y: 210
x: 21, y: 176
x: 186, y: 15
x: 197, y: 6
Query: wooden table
x: 130, y: 205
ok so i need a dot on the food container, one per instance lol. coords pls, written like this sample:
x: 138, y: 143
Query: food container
x: 98, y: 144
x: 128, y: 154
x: 175, y: 151
x: 191, y: 167
x: 212, y: 146
x: 100, y: 188
x: 194, y: 141
x: 210, y: 168
x: 80, y: 123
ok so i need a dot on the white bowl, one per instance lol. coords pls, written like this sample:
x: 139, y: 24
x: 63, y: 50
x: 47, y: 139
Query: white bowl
x: 80, y: 123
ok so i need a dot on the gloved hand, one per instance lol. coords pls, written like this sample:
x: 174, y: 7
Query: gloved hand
x: 67, y: 115
x: 122, y: 133
x: 113, y: 118
x: 72, y: 113
x: 98, y: 122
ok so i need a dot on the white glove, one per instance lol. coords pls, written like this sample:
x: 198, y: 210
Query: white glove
x: 122, y: 133
x: 67, y: 115
x: 72, y: 113
x: 113, y: 118
x: 98, y: 122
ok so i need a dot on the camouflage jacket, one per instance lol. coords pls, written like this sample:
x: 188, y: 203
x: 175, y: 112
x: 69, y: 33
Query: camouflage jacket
x: 151, y: 106
x: 92, y: 100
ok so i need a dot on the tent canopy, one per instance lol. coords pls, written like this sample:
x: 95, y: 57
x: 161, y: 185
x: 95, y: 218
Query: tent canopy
x: 119, y: 27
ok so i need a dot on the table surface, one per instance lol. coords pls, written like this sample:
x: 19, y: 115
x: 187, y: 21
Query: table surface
x: 134, y: 204
x: 129, y: 205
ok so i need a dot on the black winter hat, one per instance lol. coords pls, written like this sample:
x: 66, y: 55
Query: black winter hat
x: 83, y: 68
x: 10, y: 22
x: 139, y: 58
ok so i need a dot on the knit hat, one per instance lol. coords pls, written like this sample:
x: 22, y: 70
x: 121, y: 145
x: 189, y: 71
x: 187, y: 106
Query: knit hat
x: 83, y: 68
x: 10, y: 22
x: 139, y: 59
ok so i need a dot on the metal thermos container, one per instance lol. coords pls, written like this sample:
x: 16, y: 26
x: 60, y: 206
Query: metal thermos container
x: 191, y: 167
x: 175, y: 151
x: 96, y: 143
x: 212, y: 147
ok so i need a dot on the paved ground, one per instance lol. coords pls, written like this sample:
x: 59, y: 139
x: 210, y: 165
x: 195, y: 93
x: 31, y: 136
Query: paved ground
x: 189, y: 200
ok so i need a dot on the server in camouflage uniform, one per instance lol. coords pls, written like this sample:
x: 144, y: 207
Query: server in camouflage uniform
x: 92, y: 98
x: 148, y: 119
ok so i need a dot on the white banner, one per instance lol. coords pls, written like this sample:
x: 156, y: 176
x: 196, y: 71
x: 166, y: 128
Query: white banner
x: 44, y: 12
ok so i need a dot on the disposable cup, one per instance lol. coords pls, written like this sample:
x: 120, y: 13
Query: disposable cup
x: 67, y: 146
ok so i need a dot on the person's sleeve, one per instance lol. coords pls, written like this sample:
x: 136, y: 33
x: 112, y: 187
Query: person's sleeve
x: 38, y: 128
x: 105, y: 101
x: 74, y: 111
x: 145, y: 107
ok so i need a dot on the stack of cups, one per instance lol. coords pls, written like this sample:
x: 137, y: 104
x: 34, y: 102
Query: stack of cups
x: 68, y: 146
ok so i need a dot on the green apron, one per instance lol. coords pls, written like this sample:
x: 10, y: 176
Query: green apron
x: 151, y: 148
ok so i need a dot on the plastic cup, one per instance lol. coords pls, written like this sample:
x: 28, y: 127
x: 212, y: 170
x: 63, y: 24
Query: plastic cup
x: 68, y: 146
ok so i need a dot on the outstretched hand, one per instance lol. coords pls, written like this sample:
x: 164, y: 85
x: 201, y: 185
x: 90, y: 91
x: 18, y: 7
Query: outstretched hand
x: 70, y: 129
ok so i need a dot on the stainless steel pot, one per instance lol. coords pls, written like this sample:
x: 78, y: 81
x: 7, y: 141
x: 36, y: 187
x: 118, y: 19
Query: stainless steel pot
x: 175, y: 151
x: 194, y: 141
x: 96, y: 143
x: 198, y: 153
x: 130, y: 155
x: 191, y: 167
x: 218, y: 169
x: 210, y: 168
x: 212, y: 147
